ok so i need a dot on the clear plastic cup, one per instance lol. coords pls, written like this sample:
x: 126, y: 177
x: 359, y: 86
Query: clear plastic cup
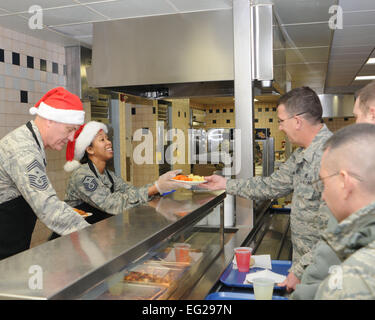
x: 263, y: 288
x: 182, y: 251
x: 243, y: 255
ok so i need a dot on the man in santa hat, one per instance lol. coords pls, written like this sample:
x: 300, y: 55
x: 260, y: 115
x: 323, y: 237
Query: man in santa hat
x: 25, y: 190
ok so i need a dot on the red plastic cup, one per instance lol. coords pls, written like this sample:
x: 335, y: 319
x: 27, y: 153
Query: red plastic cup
x: 243, y: 255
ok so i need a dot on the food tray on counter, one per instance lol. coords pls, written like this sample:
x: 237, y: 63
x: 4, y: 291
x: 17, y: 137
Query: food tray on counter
x: 237, y: 296
x: 234, y: 278
x: 153, y: 274
x: 132, y: 291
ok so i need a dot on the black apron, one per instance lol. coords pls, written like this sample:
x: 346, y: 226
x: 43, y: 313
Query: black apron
x: 97, y: 215
x: 17, y: 221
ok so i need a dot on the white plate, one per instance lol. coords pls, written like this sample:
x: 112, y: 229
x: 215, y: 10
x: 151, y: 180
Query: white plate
x: 190, y: 182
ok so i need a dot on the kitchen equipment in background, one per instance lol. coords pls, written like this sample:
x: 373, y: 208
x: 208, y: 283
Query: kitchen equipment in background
x: 197, y: 145
x: 264, y: 153
x: 197, y: 118
x: 163, y: 124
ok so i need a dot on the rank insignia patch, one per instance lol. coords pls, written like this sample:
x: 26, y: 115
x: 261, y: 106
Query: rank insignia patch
x: 89, y: 183
x: 37, y: 176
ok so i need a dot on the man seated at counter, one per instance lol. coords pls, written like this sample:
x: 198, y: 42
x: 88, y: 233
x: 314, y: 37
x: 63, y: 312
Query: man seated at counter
x: 95, y: 189
x: 25, y: 190
x: 344, y: 261
x: 300, y: 118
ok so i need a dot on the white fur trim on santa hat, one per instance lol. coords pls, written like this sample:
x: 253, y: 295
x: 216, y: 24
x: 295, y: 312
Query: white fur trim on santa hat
x: 59, y: 115
x: 85, y: 138
x: 69, y: 166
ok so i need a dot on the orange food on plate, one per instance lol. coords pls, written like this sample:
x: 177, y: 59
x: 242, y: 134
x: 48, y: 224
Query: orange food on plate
x: 182, y: 213
x: 81, y: 212
x: 182, y: 177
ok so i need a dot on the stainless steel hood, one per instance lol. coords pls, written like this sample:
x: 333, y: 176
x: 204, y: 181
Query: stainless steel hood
x: 161, y: 53
x: 177, y: 55
x: 336, y: 106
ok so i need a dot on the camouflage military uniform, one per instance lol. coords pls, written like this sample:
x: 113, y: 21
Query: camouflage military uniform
x: 308, y: 216
x: 353, y: 244
x: 23, y: 176
x: 323, y: 257
x: 85, y: 187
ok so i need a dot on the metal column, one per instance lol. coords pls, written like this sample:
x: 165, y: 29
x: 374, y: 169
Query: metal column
x: 243, y: 93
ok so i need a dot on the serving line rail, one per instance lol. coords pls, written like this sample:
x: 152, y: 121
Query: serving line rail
x: 71, y: 265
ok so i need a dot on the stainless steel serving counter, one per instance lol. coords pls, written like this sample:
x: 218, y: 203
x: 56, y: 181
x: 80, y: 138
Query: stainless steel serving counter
x: 65, y: 268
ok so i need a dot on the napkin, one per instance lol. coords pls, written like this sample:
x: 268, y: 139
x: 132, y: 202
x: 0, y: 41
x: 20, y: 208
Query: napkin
x: 260, y: 261
x: 277, y: 278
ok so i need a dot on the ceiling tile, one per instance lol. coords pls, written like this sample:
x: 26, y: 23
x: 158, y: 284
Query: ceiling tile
x: 70, y: 15
x: 78, y: 30
x: 354, y: 36
x: 368, y: 69
x: 350, y: 5
x: 133, y: 8
x: 302, y: 11
x: 24, y: 5
x: 312, y: 68
x: 348, y: 50
x: 311, y: 35
x: 358, y: 18
x: 307, y: 55
x: 199, y: 5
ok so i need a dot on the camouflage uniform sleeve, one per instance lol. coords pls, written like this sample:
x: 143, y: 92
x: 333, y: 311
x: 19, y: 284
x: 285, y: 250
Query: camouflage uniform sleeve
x: 124, y: 187
x: 352, y: 280
x: 278, y: 184
x: 28, y: 172
x: 323, y: 214
x: 91, y: 190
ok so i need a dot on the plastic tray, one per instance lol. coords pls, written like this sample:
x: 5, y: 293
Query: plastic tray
x: 237, y: 296
x: 233, y: 278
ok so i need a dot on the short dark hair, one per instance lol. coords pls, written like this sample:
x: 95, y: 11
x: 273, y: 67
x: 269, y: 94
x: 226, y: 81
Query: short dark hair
x: 355, y: 133
x: 303, y: 100
x: 366, y: 95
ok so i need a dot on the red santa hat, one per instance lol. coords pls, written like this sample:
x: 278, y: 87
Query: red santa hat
x: 75, y: 150
x: 60, y: 105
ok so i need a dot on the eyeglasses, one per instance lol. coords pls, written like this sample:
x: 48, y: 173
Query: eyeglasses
x: 318, y: 184
x: 298, y: 114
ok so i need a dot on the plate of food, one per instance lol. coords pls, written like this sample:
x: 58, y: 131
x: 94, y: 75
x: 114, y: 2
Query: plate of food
x: 189, y: 179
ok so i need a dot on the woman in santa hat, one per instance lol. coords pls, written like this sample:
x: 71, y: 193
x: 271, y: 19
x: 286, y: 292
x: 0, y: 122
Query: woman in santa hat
x: 95, y: 189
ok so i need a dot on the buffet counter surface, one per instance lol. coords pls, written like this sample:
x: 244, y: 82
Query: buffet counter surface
x: 71, y: 266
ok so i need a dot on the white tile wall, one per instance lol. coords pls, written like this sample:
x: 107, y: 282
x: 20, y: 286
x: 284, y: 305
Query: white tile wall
x: 13, y: 113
